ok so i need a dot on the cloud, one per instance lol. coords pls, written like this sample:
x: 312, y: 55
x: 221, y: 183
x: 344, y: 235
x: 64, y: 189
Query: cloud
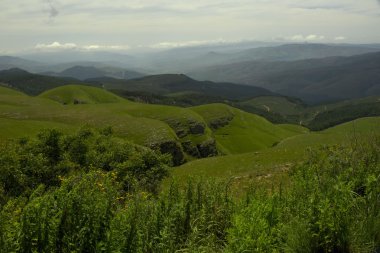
x: 341, y: 37
x: 52, y: 10
x: 191, y: 43
x: 310, y: 37
x: 105, y: 47
x: 57, y: 46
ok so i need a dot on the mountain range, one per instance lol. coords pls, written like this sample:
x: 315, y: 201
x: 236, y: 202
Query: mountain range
x: 312, y: 80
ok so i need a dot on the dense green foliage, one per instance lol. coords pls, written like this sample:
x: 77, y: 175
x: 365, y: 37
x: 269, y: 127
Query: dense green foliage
x: 331, y: 205
x: 28, y: 163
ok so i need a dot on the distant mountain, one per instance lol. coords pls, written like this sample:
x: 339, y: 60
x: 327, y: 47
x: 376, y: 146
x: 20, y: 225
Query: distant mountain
x: 313, y: 80
x: 178, y: 85
x: 8, y: 62
x: 58, y: 57
x: 292, y: 52
x: 87, y: 72
x: 32, y: 84
x: 188, y: 59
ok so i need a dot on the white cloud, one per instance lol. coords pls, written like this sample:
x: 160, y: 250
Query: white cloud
x: 105, y: 47
x: 310, y: 37
x: 56, y: 46
x: 113, y: 24
x: 340, y: 38
x: 191, y: 43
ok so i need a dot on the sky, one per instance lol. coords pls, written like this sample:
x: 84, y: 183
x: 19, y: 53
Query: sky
x: 127, y: 25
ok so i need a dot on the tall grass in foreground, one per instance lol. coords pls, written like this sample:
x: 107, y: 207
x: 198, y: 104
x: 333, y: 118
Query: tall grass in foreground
x: 332, y: 205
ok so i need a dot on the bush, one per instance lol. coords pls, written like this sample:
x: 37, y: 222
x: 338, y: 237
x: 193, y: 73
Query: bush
x: 102, y: 198
x: 26, y: 164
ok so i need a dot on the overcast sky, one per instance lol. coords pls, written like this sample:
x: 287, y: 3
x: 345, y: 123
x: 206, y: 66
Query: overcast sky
x: 131, y: 24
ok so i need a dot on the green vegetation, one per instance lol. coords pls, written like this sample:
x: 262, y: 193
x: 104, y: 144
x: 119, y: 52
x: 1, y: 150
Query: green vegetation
x: 32, y: 84
x: 185, y: 133
x: 319, y: 117
x: 278, y: 188
x: 73, y: 94
x: 240, y: 132
x: 180, y: 90
x: 270, y: 165
x: 94, y: 192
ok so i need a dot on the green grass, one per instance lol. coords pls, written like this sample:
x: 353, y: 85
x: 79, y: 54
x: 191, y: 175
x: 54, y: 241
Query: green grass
x: 141, y: 130
x: 253, y: 145
x: 71, y: 94
x: 279, y: 105
x: 10, y: 92
x: 270, y: 165
x: 243, y: 132
x: 13, y: 128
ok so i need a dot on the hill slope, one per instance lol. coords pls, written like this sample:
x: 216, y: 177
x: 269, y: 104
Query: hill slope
x: 74, y: 94
x: 239, y: 132
x: 186, y: 133
x: 271, y: 165
x: 32, y: 84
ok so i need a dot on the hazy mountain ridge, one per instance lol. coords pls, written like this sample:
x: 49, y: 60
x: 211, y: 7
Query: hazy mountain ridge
x: 313, y: 80
x: 32, y: 84
x: 87, y: 72
x: 179, y: 84
x: 188, y: 59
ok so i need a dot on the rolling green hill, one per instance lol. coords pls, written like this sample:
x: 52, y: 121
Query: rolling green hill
x: 73, y: 94
x: 271, y: 164
x: 32, y: 84
x: 186, y: 133
x: 238, y: 132
x: 290, y: 110
x: 253, y: 148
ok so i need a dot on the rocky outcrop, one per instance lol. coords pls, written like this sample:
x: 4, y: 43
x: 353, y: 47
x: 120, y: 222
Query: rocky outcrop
x: 197, y: 127
x: 191, y: 149
x: 221, y: 122
x: 207, y: 148
x: 182, y: 129
x: 172, y: 148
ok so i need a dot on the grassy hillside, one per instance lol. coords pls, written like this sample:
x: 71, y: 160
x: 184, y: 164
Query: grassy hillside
x: 186, y: 133
x: 280, y: 105
x: 269, y: 165
x: 11, y: 128
x: 145, y: 131
x: 239, y: 132
x: 73, y: 94
x: 290, y: 110
x: 32, y: 84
